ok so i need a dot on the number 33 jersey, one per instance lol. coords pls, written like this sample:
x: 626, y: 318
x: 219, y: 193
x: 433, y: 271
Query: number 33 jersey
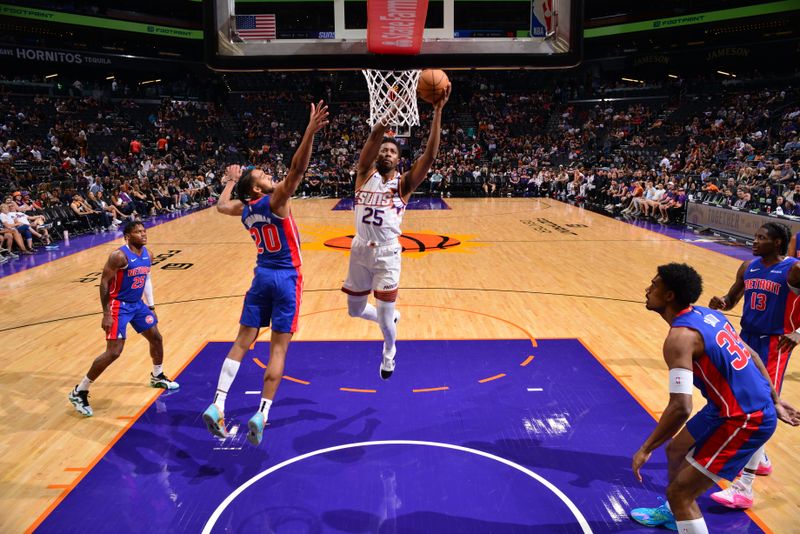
x: 379, y: 209
x: 770, y: 307
x: 724, y: 374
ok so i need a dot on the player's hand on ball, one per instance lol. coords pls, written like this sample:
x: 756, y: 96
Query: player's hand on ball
x: 439, y: 104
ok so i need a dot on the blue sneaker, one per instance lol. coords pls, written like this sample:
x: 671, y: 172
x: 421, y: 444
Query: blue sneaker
x: 256, y: 428
x: 655, y: 517
x: 215, y: 421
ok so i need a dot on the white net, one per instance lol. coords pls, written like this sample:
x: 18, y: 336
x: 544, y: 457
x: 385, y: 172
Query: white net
x: 393, y: 99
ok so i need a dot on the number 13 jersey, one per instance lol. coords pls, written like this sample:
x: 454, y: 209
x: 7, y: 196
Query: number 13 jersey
x: 770, y: 307
x: 379, y: 209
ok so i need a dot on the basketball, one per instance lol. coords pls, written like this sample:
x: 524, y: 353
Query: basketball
x: 432, y: 85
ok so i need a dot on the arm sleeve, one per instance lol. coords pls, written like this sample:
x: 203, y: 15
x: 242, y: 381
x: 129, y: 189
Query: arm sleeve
x: 148, y: 292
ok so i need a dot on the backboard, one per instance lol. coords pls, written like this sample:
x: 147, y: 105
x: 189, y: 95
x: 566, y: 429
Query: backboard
x: 251, y: 35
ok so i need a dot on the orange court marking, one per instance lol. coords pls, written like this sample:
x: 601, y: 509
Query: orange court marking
x: 757, y: 520
x: 426, y: 390
x: 78, y: 469
x: 291, y: 379
x: 495, y: 377
x: 96, y: 460
x: 355, y: 390
x: 259, y: 363
x: 528, y: 360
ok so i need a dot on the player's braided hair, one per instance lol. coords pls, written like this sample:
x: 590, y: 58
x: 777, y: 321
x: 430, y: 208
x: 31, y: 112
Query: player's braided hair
x: 683, y: 281
x: 780, y: 231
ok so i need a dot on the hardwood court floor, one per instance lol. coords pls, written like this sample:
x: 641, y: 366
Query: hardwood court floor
x: 523, y: 266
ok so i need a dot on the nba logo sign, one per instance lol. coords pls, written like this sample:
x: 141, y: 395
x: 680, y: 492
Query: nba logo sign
x: 541, y: 18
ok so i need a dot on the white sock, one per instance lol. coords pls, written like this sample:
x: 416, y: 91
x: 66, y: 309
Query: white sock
x: 692, y: 526
x: 747, y: 478
x: 359, y: 307
x: 386, y: 318
x: 264, y: 407
x: 226, y: 375
x: 84, y: 384
x: 158, y: 369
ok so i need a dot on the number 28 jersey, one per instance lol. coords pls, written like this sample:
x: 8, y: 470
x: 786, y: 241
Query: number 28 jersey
x: 724, y: 374
x: 770, y: 307
x: 379, y: 209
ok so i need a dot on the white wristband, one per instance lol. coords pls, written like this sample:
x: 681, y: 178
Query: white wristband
x: 681, y: 380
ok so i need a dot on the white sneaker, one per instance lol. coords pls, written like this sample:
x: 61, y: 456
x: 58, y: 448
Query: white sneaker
x: 387, y: 367
x: 737, y: 496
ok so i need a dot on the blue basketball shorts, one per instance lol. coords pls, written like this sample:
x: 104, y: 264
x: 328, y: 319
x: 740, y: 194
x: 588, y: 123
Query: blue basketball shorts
x: 273, y: 299
x: 136, y: 313
x: 724, y: 445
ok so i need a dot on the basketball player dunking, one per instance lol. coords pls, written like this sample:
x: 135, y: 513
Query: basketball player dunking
x: 381, y: 197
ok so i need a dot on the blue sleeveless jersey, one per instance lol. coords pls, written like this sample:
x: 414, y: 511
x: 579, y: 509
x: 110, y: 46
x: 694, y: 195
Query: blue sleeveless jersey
x: 724, y: 374
x: 277, y: 239
x: 128, y: 285
x: 770, y: 307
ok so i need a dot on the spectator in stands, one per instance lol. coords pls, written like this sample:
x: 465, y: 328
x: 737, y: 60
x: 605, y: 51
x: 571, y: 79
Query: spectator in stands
x: 22, y: 223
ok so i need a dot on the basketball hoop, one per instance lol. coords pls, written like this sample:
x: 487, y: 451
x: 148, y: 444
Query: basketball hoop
x: 393, y: 99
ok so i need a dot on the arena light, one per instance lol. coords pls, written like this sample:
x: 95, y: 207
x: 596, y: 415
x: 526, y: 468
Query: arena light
x: 149, y: 81
x: 50, y: 76
x: 632, y: 80
x: 726, y: 73
x: 672, y: 76
x: 109, y: 77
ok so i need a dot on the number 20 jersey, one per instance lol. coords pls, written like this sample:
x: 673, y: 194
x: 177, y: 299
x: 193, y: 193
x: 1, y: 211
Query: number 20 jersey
x: 724, y: 374
x: 770, y: 307
x: 277, y: 239
x: 379, y: 209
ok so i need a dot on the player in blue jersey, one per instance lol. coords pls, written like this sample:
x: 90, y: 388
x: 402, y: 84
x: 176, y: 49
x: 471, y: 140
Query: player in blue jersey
x: 123, y: 284
x: 704, y: 350
x: 770, y: 320
x: 274, y: 296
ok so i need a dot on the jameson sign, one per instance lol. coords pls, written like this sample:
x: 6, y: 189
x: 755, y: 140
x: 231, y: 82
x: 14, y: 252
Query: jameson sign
x: 53, y: 56
x: 732, y: 222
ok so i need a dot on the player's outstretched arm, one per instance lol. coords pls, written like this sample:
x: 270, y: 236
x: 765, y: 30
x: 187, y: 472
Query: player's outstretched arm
x: 115, y: 262
x: 366, y: 160
x: 792, y: 252
x: 284, y: 190
x: 419, y: 170
x: 226, y: 204
x: 728, y: 301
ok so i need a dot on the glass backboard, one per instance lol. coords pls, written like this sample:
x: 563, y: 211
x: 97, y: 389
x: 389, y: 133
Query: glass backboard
x: 331, y: 35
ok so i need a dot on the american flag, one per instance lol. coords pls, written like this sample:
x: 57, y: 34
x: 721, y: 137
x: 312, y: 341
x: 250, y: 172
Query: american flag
x: 255, y: 27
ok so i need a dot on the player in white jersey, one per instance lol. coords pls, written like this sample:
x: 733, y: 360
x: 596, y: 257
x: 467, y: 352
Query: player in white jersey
x: 381, y: 196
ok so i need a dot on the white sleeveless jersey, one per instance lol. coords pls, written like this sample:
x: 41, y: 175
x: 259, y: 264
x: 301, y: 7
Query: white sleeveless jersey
x: 379, y: 209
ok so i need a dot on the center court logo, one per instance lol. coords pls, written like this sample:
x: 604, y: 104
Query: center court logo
x: 409, y: 242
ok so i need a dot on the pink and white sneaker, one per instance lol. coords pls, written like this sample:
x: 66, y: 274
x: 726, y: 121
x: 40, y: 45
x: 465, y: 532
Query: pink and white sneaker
x: 764, y: 469
x: 737, y: 496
